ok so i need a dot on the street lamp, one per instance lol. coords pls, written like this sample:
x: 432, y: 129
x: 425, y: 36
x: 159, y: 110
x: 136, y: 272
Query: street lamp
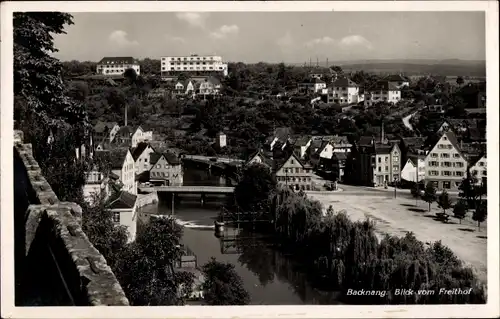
x: 395, y: 184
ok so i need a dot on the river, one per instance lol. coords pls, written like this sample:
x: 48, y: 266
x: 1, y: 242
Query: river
x: 270, y: 277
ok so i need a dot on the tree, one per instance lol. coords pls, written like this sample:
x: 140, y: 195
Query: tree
x: 37, y: 74
x: 429, y: 194
x: 146, y: 269
x: 223, y: 286
x: 480, y: 213
x: 415, y: 192
x: 460, y: 80
x: 253, y: 190
x: 97, y: 224
x: 459, y: 211
x: 469, y: 190
x: 444, y: 201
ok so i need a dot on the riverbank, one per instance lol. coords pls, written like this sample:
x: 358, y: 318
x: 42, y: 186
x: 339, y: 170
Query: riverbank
x: 398, y: 216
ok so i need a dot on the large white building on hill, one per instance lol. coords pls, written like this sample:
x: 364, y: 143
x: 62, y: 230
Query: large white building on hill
x: 171, y: 65
x: 117, y: 65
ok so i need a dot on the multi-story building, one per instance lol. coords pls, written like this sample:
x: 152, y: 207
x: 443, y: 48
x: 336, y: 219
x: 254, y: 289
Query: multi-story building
x: 117, y: 65
x: 445, y: 165
x: 338, y: 163
x: 105, y: 130
x: 96, y: 184
x: 312, y: 85
x: 398, y: 80
x: 382, y: 91
x: 133, y: 135
x: 122, y: 166
x: 344, y: 91
x: 141, y: 155
x: 378, y: 163
x: 478, y: 169
x: 125, y: 213
x: 260, y: 157
x: 295, y: 174
x: 193, y: 64
x: 166, y: 169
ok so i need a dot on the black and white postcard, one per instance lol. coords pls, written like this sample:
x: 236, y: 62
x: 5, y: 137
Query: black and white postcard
x: 249, y: 159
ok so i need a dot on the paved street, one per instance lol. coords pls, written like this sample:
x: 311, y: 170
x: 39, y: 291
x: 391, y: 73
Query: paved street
x: 397, y: 216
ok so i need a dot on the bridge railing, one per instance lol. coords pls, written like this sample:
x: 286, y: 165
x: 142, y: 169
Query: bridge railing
x: 55, y: 263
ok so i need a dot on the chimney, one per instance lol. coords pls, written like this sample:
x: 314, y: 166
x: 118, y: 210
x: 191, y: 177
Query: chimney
x: 382, y: 134
x: 126, y: 110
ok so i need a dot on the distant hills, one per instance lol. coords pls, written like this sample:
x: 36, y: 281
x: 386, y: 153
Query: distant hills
x: 450, y: 67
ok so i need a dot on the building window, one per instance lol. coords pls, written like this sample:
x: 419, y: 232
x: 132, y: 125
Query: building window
x: 458, y: 173
x: 446, y: 185
x: 456, y: 155
x: 380, y: 160
x: 297, y: 170
x: 116, y: 217
x: 434, y: 155
x: 386, y: 168
x: 446, y: 173
x: 380, y: 169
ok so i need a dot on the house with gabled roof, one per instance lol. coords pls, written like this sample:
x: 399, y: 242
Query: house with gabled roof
x: 445, y: 164
x: 166, y: 169
x: 105, y: 130
x: 478, y: 169
x: 382, y: 91
x: 133, y: 135
x: 294, y: 173
x: 124, y: 213
x: 398, y: 80
x: 121, y: 165
x: 344, y: 91
x: 300, y: 145
x: 260, y: 157
x: 280, y: 136
x: 141, y: 154
x: 312, y: 85
x: 414, y: 168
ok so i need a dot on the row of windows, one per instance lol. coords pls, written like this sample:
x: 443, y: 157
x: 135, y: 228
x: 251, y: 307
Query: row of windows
x: 293, y: 179
x: 443, y: 146
x: 191, y: 68
x: 188, y: 63
x: 445, y: 155
x: 446, y: 184
x: 300, y: 187
x: 192, y: 58
x: 446, y: 164
x: 158, y: 174
x: 159, y: 166
x: 298, y: 170
x: 394, y: 168
x: 394, y: 159
x: 446, y: 173
x: 476, y: 172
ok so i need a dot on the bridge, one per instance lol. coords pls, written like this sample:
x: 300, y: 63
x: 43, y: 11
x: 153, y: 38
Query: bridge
x: 225, y: 160
x: 189, y: 189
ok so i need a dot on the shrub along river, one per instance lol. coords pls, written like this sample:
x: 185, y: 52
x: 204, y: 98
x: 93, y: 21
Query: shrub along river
x: 270, y: 276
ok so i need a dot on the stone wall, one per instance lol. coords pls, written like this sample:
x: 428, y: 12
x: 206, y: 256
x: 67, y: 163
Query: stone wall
x: 55, y: 263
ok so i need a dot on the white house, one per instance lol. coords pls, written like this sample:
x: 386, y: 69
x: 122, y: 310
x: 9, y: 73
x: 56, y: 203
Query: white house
x: 445, y: 164
x: 141, y: 155
x: 105, y: 130
x: 193, y: 63
x: 398, y: 81
x: 117, y: 65
x: 410, y: 171
x: 122, y: 167
x: 382, y: 91
x: 124, y: 210
x: 95, y: 184
x: 221, y: 140
x: 133, y: 136
x: 312, y: 85
x: 294, y: 174
x: 479, y: 170
x: 344, y: 91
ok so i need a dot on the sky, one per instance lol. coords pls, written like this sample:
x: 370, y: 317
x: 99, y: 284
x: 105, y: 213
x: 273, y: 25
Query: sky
x: 290, y: 37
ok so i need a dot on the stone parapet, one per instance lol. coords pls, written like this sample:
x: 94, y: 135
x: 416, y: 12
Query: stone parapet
x: 84, y: 270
